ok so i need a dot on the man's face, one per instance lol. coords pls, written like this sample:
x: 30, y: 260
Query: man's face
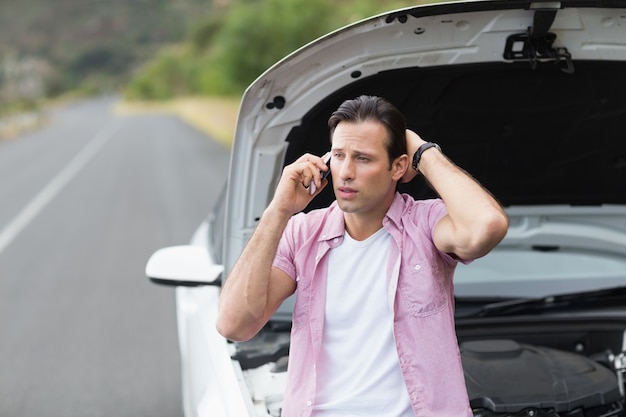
x: 363, y: 182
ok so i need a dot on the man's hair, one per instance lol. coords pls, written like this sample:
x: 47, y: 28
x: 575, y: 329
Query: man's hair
x: 377, y: 109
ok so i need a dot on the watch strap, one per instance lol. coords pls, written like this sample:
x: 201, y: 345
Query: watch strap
x: 418, y: 154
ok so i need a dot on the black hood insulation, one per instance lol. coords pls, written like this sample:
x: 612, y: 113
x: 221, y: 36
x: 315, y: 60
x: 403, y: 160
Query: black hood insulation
x: 531, y: 136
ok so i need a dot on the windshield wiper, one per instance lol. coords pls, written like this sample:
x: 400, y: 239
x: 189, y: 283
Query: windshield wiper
x: 601, y: 298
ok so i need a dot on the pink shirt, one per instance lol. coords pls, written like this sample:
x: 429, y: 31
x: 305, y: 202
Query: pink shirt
x: 419, y: 281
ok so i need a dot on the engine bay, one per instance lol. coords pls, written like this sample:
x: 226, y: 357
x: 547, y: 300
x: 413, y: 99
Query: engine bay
x: 513, y: 368
x: 567, y: 365
x: 506, y: 378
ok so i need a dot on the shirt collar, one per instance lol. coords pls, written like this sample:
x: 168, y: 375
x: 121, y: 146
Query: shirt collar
x: 393, y: 218
x: 335, y: 223
x: 334, y: 226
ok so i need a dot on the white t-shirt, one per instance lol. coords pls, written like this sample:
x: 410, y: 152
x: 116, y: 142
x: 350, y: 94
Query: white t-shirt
x: 358, y: 373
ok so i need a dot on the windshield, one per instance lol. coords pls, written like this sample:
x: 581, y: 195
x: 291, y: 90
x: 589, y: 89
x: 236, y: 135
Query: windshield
x: 511, y: 273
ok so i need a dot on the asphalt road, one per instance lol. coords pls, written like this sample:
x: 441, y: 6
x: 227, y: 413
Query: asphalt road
x: 83, y: 204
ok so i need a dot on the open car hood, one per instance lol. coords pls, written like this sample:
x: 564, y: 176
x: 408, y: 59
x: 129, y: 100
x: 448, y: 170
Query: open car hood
x: 528, y: 97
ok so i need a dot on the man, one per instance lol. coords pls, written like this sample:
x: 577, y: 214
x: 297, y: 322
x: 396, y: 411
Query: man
x: 373, y: 324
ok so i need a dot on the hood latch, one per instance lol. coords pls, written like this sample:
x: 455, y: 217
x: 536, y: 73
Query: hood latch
x: 536, y: 44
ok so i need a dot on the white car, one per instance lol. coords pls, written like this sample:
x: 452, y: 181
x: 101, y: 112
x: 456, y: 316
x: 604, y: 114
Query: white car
x: 528, y: 97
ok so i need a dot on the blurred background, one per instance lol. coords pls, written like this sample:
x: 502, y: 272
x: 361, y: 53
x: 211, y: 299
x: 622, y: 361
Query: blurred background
x: 154, y: 49
x: 115, y: 126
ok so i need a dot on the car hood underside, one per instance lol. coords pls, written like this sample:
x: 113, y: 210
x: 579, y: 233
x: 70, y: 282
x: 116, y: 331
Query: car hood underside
x: 531, y: 136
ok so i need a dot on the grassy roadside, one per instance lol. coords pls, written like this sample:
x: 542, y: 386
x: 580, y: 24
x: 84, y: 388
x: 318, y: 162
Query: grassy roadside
x: 215, y: 116
x: 18, y: 124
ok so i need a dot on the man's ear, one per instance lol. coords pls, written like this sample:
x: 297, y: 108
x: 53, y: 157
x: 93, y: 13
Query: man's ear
x: 399, y: 167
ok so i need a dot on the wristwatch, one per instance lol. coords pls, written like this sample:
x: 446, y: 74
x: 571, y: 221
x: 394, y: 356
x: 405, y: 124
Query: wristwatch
x: 418, y: 154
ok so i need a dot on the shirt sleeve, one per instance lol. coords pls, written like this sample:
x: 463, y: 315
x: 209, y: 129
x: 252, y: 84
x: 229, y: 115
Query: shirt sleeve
x: 436, y: 212
x: 284, y: 259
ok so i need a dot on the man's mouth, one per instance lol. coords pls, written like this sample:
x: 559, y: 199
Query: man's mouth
x: 346, y: 192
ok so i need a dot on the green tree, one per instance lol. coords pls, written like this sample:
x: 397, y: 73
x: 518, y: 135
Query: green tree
x: 257, y: 33
x: 229, y: 48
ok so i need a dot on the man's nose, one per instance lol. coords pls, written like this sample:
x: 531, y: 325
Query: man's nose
x: 346, y: 170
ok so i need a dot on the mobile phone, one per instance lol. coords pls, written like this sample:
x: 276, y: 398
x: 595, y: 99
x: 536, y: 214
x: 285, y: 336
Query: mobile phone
x: 325, y: 174
x: 327, y: 162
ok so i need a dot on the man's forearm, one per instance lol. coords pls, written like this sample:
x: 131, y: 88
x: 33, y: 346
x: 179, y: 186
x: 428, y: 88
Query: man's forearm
x: 462, y: 194
x: 478, y: 220
x: 252, y: 291
x: 244, y: 297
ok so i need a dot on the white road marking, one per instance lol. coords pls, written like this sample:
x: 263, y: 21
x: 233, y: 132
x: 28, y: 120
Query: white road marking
x: 43, y: 198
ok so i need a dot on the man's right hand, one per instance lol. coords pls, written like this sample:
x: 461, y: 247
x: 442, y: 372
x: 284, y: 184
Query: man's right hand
x: 292, y: 194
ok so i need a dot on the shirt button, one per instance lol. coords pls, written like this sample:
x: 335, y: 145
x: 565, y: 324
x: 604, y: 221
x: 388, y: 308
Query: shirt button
x: 309, y: 403
x: 336, y: 240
